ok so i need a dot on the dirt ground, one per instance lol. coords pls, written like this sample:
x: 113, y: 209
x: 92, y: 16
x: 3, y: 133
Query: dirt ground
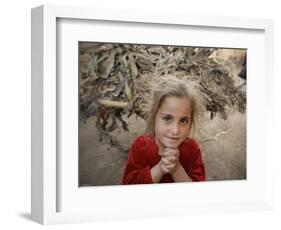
x: 222, y: 143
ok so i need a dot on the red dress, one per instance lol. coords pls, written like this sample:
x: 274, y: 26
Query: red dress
x: 143, y: 155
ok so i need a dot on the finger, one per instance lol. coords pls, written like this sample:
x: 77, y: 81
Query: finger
x: 171, y: 152
x: 165, y: 161
x: 171, y: 159
x: 170, y: 166
x: 175, y: 152
x: 162, y: 152
x: 165, y: 152
x: 165, y: 170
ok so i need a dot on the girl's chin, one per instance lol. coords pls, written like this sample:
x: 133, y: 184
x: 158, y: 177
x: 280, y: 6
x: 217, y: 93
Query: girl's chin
x: 170, y: 143
x: 172, y: 146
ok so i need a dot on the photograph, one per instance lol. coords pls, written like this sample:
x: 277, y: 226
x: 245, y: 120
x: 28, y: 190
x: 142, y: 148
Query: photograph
x: 161, y: 113
x: 138, y: 115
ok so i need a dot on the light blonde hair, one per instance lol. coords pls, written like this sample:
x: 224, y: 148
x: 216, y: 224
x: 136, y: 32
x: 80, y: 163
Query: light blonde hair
x: 171, y: 87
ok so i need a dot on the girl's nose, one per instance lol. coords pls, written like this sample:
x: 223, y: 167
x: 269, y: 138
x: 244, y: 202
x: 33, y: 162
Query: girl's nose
x: 175, y: 128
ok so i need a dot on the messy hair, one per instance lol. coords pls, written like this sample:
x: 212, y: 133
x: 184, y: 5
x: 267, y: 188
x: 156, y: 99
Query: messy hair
x: 171, y: 87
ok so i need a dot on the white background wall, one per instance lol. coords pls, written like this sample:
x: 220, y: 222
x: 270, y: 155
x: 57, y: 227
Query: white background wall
x: 15, y: 113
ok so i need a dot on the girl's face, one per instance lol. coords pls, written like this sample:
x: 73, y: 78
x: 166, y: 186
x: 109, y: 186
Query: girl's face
x: 172, y: 122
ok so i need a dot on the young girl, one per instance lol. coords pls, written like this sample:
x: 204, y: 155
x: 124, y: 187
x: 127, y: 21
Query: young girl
x: 166, y: 153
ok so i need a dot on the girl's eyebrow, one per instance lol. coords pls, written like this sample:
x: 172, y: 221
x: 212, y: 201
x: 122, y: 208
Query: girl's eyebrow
x: 168, y: 114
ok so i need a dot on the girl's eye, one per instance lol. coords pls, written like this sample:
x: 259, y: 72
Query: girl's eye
x: 167, y: 118
x: 184, y: 120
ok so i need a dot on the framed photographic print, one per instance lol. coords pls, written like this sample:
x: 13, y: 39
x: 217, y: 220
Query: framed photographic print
x: 124, y: 104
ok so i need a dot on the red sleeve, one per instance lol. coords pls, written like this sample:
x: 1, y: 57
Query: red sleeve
x: 137, y: 170
x: 196, y: 169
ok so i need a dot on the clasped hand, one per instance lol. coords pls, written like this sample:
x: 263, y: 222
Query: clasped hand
x: 169, y: 160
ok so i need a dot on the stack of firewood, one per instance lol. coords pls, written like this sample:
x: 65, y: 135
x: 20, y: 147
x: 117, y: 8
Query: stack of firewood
x: 115, y: 80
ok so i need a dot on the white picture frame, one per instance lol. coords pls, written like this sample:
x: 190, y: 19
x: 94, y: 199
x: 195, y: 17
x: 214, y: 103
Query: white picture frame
x: 55, y: 199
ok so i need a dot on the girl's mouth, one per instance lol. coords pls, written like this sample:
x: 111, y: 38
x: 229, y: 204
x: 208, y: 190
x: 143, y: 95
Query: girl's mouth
x: 174, y: 138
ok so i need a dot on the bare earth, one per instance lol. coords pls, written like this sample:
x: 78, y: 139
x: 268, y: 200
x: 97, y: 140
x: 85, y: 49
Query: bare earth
x: 222, y: 142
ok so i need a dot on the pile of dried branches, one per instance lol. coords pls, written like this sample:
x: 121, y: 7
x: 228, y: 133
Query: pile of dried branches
x: 115, y: 80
